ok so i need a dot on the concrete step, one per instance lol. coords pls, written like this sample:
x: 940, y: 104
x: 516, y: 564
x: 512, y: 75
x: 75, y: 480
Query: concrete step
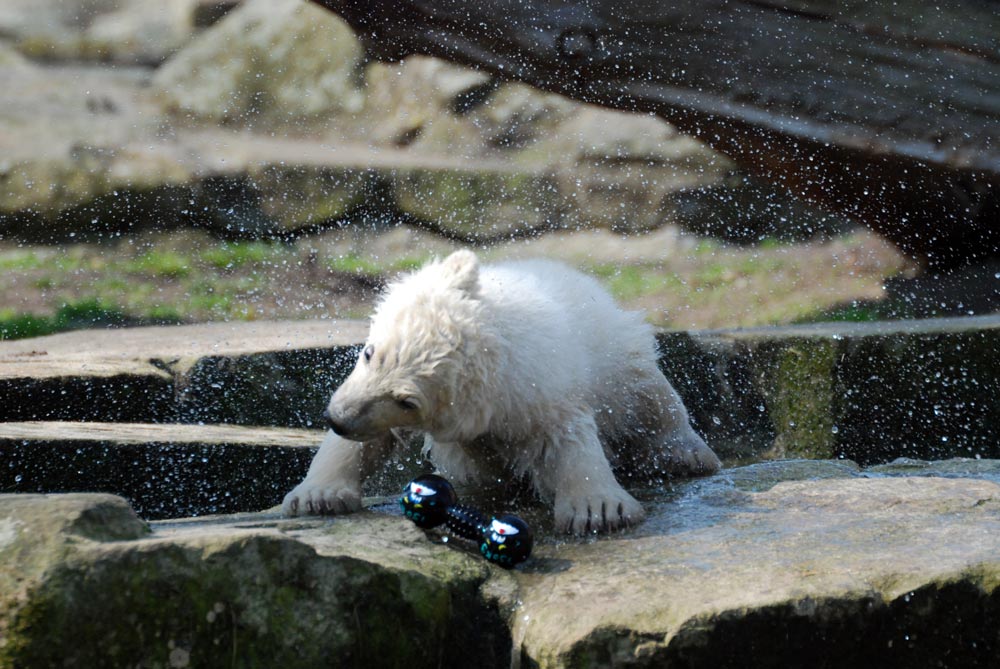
x: 256, y: 373
x: 163, y: 470
x: 869, y: 392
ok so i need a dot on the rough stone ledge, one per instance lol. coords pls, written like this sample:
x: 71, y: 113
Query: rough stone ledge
x: 367, y: 591
x: 163, y: 470
x: 869, y: 392
x: 771, y: 565
x: 257, y: 373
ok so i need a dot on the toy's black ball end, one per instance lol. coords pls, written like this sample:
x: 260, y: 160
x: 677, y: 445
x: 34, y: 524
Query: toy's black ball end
x: 507, y: 541
x: 426, y: 499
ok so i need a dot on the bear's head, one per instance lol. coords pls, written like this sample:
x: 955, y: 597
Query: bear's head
x: 417, y: 361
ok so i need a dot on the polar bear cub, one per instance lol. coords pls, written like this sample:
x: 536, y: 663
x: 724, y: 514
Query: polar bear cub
x: 524, y: 366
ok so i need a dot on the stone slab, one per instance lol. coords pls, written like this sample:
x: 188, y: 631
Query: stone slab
x: 836, y: 573
x: 85, y: 583
x: 869, y: 392
x: 248, y: 373
x: 163, y: 470
x: 798, y: 563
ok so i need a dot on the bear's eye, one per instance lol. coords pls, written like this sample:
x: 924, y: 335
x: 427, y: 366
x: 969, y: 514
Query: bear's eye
x: 369, y: 350
x: 407, y: 404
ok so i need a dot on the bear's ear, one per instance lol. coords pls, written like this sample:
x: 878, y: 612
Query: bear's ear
x: 461, y: 270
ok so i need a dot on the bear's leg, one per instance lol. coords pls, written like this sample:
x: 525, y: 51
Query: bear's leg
x: 576, y: 473
x: 452, y: 460
x: 333, y: 482
x: 664, y: 441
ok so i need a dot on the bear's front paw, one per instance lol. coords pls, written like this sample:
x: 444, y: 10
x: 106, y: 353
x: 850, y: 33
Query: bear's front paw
x: 597, y: 512
x: 307, y: 499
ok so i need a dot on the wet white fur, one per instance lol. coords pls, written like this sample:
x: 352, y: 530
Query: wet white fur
x: 529, y: 364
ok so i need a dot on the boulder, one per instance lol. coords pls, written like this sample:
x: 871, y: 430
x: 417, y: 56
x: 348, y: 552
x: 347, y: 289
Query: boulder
x: 74, y: 136
x: 89, y: 153
x: 524, y: 162
x: 406, y: 102
x: 493, y: 202
x: 268, y: 125
x: 85, y: 583
x: 569, y: 165
x: 770, y: 565
x: 621, y: 171
x: 120, y: 31
x: 93, y: 154
x: 266, y: 62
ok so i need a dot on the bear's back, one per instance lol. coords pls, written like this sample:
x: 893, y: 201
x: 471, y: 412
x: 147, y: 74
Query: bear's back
x: 559, y: 309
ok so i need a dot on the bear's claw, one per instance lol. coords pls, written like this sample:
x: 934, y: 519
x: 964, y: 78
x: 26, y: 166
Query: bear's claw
x: 309, y: 500
x: 596, y: 513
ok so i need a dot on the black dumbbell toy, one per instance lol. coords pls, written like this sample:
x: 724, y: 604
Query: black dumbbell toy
x: 430, y: 501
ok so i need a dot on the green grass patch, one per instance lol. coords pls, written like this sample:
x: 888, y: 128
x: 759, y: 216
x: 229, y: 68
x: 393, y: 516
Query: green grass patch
x: 88, y: 313
x: 356, y: 264
x: 759, y: 265
x: 711, y: 275
x: 706, y: 247
x: 855, y: 312
x: 163, y: 264
x: 353, y: 264
x: 231, y: 255
x: 70, y: 316
x: 20, y: 261
x: 79, y: 315
x: 163, y: 314
x: 407, y: 263
x: 218, y: 305
x: 770, y: 243
x: 627, y: 282
x: 19, y: 326
x: 77, y: 259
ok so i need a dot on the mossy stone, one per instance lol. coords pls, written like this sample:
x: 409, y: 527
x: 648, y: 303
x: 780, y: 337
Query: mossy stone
x: 488, y: 203
x: 798, y: 386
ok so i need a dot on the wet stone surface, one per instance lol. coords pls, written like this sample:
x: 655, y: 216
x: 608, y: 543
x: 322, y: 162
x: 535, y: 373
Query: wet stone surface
x: 794, y: 563
x: 841, y: 572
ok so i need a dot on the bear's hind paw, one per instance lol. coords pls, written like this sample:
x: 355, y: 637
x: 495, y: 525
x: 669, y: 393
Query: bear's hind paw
x: 693, y: 459
x: 308, y: 500
x: 597, y: 513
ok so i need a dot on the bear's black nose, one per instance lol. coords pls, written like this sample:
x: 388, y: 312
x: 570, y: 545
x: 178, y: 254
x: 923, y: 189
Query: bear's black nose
x: 332, y: 424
